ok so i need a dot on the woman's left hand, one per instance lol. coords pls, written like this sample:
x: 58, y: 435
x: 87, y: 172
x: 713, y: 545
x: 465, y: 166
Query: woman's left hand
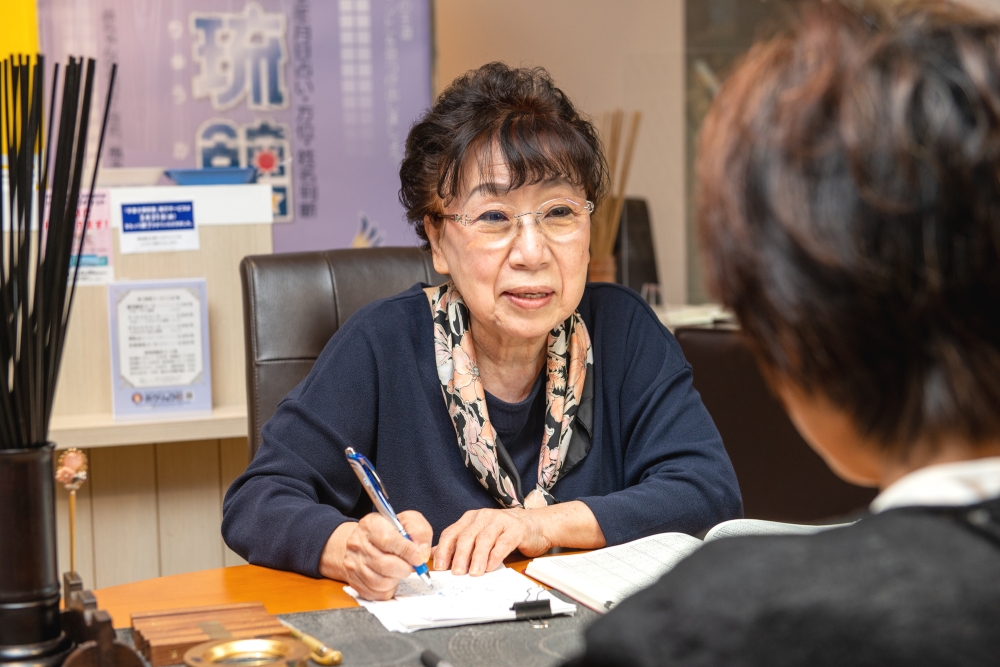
x: 481, y: 539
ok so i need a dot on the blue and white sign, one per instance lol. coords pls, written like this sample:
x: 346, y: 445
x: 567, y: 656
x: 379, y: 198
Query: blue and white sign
x: 158, y: 227
x: 159, y: 347
x: 157, y: 217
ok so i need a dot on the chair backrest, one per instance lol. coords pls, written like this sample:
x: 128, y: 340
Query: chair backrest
x: 635, y: 253
x: 293, y: 303
x: 781, y: 477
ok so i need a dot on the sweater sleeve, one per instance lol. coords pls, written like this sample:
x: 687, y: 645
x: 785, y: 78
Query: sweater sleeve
x: 675, y: 472
x: 281, y: 511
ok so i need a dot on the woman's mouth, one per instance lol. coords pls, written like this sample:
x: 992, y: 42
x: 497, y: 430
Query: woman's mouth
x: 529, y: 299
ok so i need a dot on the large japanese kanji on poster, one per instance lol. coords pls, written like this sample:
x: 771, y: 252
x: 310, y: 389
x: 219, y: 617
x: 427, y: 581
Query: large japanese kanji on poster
x: 316, y: 94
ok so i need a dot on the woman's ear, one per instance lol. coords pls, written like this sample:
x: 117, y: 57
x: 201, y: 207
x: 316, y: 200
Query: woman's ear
x: 434, y: 228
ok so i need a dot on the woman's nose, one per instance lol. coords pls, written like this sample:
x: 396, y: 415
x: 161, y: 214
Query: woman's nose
x: 530, y: 244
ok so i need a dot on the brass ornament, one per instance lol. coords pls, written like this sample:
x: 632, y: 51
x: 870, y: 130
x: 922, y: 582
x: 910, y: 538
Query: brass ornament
x: 71, y: 469
x: 71, y: 472
x: 260, y: 652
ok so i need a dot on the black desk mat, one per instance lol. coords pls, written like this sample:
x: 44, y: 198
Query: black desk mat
x: 364, y: 642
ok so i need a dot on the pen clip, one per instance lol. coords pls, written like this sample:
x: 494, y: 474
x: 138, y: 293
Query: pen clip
x: 374, y: 475
x: 368, y: 469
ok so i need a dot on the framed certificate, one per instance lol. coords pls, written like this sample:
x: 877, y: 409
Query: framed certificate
x: 159, y: 348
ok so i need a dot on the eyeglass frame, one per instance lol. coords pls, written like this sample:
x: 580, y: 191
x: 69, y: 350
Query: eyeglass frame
x: 464, y: 219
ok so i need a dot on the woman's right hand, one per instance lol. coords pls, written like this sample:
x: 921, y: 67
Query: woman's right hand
x: 373, y: 557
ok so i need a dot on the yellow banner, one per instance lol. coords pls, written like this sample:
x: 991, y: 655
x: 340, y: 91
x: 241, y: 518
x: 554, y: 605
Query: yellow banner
x: 19, y: 27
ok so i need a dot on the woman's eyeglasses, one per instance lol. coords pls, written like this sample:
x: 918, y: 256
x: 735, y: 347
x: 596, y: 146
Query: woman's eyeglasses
x: 496, y: 224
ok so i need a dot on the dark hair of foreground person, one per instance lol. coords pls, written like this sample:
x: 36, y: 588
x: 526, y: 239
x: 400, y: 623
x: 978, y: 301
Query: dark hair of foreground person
x: 849, y: 210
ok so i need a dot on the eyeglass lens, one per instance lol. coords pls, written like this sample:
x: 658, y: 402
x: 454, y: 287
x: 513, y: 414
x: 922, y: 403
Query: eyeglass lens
x: 555, y: 218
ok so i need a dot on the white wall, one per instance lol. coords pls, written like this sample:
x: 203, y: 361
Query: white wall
x: 603, y: 54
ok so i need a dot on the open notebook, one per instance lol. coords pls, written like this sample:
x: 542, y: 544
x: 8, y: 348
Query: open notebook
x: 601, y: 579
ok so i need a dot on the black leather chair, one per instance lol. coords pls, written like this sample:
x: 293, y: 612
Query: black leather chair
x: 781, y: 477
x: 293, y: 303
x: 635, y: 255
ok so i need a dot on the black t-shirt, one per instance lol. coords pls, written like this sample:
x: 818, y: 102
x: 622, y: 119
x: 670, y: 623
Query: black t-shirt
x: 520, y: 426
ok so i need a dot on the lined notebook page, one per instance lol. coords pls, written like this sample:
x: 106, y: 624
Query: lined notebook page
x: 743, y: 527
x: 603, y: 578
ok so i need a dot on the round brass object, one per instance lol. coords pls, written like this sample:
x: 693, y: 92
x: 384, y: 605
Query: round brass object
x: 261, y: 652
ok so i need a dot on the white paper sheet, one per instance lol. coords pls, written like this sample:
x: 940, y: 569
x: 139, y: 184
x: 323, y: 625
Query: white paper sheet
x: 457, y: 600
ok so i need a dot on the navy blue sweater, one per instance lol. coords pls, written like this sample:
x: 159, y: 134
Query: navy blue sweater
x: 656, y: 463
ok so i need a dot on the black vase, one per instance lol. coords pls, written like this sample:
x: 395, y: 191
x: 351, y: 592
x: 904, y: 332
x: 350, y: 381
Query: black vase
x: 30, y: 632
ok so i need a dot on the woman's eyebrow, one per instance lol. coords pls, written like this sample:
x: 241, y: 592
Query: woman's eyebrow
x: 489, y: 187
x: 495, y: 187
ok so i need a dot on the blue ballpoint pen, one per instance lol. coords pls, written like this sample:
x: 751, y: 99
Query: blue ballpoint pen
x: 365, y: 471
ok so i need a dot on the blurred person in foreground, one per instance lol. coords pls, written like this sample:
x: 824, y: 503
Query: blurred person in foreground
x: 849, y: 208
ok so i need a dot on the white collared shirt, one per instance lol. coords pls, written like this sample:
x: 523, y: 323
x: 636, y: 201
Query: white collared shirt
x: 943, y: 485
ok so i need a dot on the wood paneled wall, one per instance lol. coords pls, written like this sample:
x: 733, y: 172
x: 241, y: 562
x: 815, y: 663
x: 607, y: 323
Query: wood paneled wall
x: 151, y: 510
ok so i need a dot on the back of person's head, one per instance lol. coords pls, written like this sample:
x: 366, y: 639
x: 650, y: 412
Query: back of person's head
x: 849, y: 210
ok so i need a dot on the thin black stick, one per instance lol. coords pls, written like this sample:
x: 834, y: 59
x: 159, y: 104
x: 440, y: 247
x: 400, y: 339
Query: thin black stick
x: 93, y: 182
x: 26, y: 163
x: 25, y: 159
x: 37, y: 340
x: 36, y: 287
x: 6, y: 409
x: 86, y: 218
x: 9, y: 150
x: 38, y: 329
x: 66, y: 243
x: 62, y: 214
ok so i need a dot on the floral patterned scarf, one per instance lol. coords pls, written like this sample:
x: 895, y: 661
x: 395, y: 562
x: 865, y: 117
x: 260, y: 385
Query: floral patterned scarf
x: 567, y: 431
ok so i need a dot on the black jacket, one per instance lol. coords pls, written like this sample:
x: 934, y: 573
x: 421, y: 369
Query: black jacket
x: 913, y: 586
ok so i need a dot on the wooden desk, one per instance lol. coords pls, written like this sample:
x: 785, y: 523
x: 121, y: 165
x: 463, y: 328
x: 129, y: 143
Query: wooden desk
x: 281, y: 592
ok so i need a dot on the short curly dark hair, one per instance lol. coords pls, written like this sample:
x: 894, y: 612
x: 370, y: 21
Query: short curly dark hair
x: 538, y: 131
x: 849, y: 210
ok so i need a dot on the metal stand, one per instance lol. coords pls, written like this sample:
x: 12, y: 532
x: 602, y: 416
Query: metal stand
x: 33, y: 631
x: 30, y: 631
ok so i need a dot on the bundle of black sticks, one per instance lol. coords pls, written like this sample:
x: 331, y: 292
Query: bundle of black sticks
x: 38, y: 216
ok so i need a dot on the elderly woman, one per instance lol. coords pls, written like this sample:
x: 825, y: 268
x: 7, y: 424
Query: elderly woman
x: 513, y: 407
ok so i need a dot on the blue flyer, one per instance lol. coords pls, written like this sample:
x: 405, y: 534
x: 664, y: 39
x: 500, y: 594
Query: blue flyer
x: 165, y: 226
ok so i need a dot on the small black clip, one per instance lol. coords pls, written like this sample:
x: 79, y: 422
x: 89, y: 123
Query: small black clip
x: 532, y: 609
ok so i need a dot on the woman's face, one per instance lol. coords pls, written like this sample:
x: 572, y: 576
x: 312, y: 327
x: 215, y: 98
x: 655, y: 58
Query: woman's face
x: 526, y: 286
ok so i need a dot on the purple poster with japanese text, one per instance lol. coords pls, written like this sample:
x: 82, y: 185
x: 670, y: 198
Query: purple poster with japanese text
x: 317, y: 95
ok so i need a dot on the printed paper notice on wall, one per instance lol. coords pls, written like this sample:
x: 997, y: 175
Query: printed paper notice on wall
x: 97, y: 258
x: 158, y: 227
x: 159, y: 347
